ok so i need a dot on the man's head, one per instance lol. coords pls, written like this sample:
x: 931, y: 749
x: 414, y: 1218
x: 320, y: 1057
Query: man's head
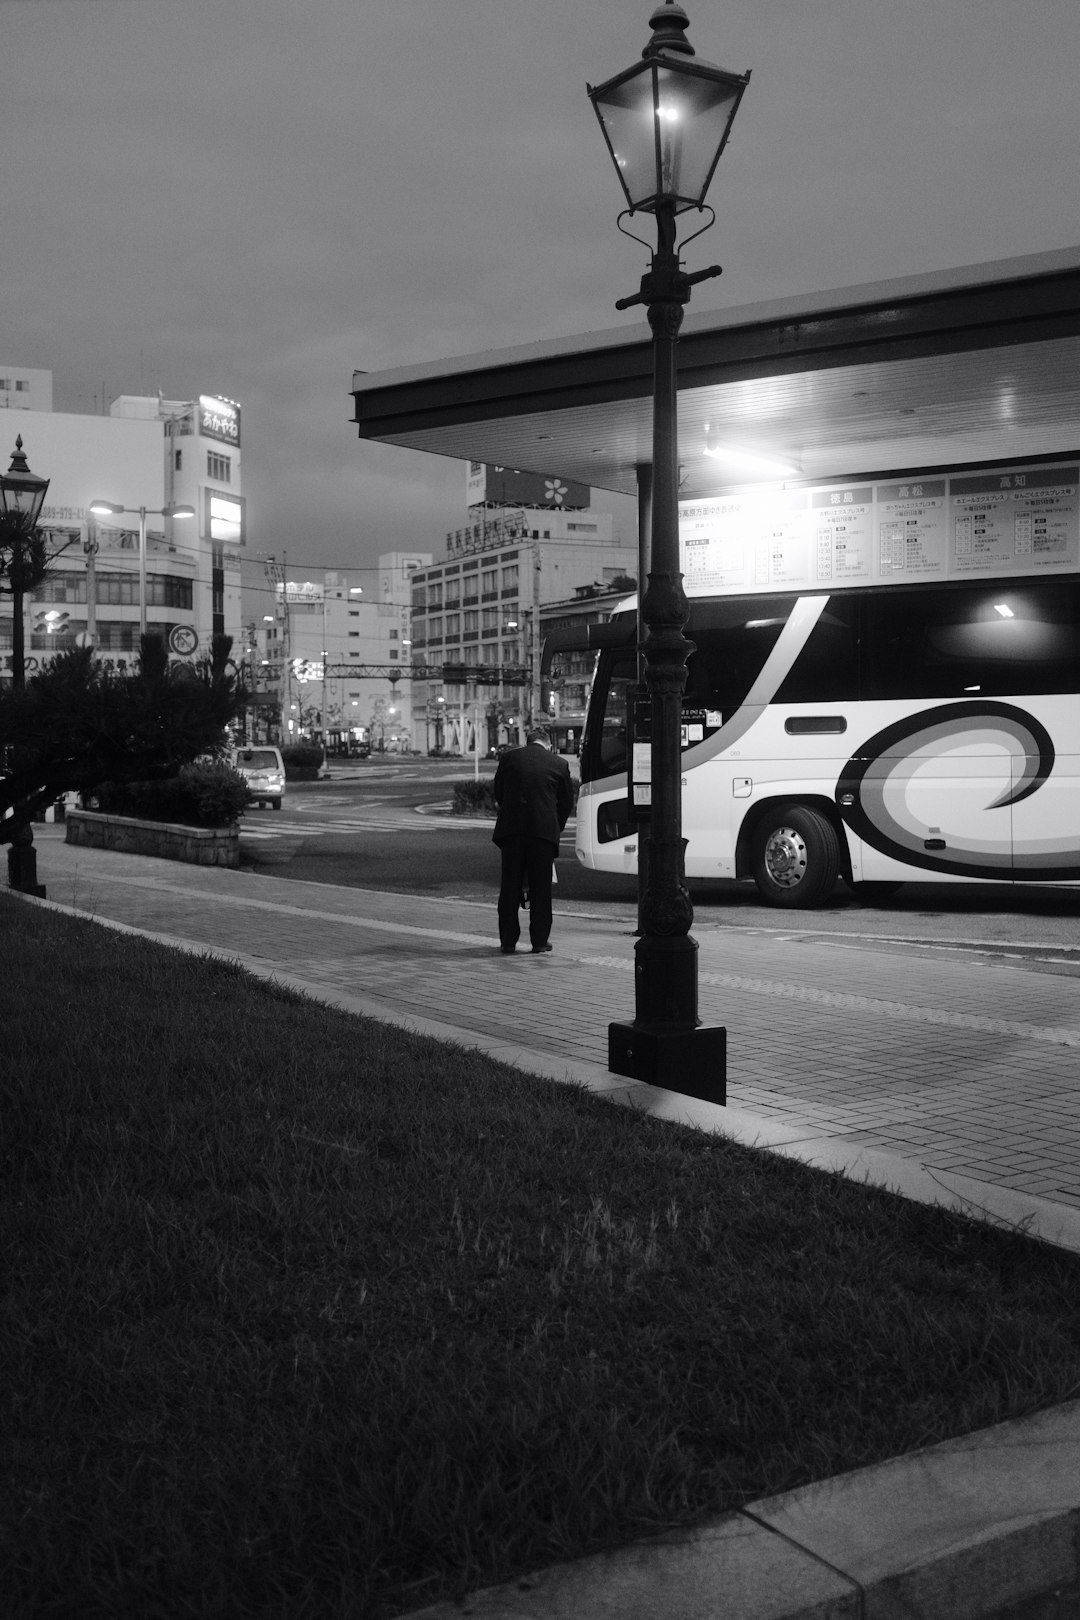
x: 539, y: 734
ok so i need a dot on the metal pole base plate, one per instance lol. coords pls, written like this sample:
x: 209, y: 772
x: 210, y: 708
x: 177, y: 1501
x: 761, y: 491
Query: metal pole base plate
x: 692, y: 1062
x: 22, y: 871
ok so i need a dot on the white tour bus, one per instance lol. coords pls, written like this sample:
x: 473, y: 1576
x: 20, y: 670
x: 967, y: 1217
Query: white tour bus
x: 884, y: 687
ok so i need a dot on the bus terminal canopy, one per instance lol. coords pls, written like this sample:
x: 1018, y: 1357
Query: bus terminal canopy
x: 973, y: 365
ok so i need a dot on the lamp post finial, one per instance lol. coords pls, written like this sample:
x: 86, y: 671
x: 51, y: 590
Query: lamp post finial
x: 669, y: 23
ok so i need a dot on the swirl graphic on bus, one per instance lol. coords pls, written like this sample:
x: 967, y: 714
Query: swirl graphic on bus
x: 955, y: 757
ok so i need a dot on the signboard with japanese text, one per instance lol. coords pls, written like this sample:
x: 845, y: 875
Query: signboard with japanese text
x: 968, y: 524
x: 219, y: 419
x: 295, y: 593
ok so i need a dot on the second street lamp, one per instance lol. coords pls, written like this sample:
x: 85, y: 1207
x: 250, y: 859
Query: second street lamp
x: 666, y: 121
x: 22, y: 495
x: 171, y: 510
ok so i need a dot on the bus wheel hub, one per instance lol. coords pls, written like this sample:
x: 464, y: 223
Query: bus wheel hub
x: 785, y: 857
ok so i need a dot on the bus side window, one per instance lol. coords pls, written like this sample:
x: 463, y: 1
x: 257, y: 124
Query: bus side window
x: 732, y: 639
x: 827, y: 668
x: 987, y: 640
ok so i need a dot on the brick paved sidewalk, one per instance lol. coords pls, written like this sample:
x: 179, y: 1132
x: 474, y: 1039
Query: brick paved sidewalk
x: 953, y: 1080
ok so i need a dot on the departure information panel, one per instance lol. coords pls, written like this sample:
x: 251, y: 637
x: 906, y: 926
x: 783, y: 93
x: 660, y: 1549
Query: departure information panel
x: 973, y: 524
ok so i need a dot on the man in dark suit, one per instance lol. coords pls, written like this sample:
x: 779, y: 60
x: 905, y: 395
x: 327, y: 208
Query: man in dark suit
x: 534, y: 795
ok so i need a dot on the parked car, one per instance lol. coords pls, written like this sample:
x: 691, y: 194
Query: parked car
x: 264, y: 772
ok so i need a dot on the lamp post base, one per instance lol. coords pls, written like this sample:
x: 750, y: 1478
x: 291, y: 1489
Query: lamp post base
x: 22, y: 870
x: 692, y: 1062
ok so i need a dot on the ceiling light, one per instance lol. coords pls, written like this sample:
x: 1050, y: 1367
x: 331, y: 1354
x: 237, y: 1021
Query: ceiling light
x: 750, y: 461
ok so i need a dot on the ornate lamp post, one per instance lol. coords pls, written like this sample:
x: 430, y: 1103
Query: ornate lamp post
x: 666, y: 121
x: 171, y: 510
x: 22, y: 495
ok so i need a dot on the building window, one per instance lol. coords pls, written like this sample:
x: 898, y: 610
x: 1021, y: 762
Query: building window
x: 510, y: 577
x: 218, y: 468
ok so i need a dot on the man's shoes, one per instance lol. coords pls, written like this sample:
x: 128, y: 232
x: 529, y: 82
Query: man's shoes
x: 508, y: 950
x: 540, y: 950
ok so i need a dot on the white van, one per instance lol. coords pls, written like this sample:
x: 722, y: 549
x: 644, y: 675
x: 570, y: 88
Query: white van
x: 263, y: 769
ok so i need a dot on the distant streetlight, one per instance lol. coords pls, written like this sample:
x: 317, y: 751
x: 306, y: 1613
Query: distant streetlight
x: 666, y: 120
x: 22, y: 495
x: 170, y: 510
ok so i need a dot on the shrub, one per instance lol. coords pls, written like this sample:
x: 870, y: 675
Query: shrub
x: 302, y: 761
x: 302, y: 754
x: 200, y: 795
x: 473, y: 799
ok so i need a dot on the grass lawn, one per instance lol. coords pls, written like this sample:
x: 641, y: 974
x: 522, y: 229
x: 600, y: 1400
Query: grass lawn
x: 307, y: 1317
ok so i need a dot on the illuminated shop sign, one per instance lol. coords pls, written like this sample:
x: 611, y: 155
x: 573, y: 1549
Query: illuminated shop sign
x: 219, y: 419
x: 225, y: 518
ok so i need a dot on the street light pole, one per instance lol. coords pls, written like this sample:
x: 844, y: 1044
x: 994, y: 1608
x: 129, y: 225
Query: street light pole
x: 666, y: 121
x: 170, y: 510
x: 22, y: 495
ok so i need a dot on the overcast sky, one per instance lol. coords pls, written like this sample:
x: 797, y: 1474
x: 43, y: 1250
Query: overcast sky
x: 255, y: 197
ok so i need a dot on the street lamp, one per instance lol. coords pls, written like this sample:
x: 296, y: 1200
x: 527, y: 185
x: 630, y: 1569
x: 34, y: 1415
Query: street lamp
x: 170, y: 510
x: 666, y: 121
x: 22, y: 495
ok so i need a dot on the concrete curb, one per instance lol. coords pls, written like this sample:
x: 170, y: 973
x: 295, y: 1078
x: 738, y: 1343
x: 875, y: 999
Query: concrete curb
x: 958, y: 1531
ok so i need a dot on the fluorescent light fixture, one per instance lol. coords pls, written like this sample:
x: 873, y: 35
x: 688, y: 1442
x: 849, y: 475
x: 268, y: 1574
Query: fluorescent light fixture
x: 1004, y: 609
x: 748, y: 461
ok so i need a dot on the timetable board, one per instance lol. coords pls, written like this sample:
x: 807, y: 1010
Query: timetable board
x: 971, y: 524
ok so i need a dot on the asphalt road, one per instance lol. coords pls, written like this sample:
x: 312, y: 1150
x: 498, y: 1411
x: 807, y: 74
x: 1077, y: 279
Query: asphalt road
x: 387, y: 826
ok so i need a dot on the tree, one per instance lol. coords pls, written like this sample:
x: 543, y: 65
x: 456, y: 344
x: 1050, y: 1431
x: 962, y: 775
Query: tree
x: 78, y: 724
x: 25, y: 562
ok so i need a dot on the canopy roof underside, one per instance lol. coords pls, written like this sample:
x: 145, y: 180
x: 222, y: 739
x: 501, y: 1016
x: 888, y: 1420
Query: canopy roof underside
x: 972, y: 365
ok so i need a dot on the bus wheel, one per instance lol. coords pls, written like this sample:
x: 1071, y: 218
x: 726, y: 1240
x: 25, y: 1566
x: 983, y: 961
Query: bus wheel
x: 796, y: 857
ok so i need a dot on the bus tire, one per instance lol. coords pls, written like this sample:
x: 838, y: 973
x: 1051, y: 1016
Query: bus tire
x: 795, y: 857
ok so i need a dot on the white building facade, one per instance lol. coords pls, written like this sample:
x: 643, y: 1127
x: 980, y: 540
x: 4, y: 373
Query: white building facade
x: 476, y: 615
x: 147, y: 453
x: 336, y: 652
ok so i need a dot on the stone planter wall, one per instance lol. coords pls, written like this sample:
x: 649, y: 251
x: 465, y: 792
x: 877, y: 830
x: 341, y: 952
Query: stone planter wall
x: 202, y: 846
